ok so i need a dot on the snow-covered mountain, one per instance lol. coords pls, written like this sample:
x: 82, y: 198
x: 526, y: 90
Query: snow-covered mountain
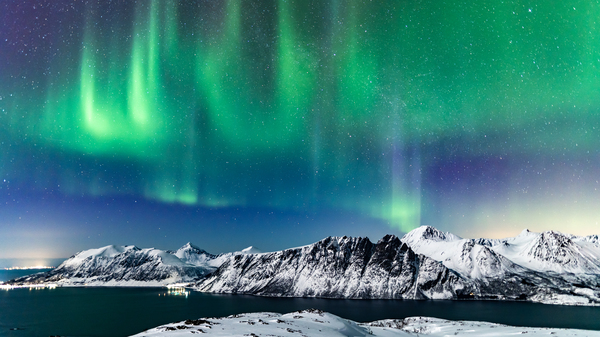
x: 559, y: 268
x: 547, y: 252
x: 548, y: 267
x: 219, y: 259
x: 426, y: 263
x: 552, y: 252
x: 191, y: 254
x: 338, y: 267
x: 132, y: 266
x: 127, y: 266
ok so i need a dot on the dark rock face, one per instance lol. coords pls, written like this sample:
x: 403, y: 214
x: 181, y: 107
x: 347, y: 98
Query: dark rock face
x: 339, y: 268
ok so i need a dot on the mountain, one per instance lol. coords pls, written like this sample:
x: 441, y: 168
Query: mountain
x: 425, y: 264
x: 561, y: 268
x: 219, y: 259
x: 548, y: 252
x: 132, y: 266
x: 548, y: 267
x: 193, y: 255
x: 338, y: 267
x: 552, y: 252
x: 472, y: 259
x: 126, y: 266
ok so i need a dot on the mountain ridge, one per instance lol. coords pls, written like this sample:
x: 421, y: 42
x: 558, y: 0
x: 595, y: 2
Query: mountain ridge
x: 426, y: 263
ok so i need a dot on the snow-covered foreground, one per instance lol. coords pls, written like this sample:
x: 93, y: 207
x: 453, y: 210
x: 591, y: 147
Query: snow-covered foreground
x: 317, y: 323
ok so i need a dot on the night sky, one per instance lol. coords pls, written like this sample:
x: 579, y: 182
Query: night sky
x: 276, y: 123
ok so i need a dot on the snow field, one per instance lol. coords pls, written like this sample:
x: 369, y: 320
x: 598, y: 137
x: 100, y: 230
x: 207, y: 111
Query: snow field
x: 315, y: 323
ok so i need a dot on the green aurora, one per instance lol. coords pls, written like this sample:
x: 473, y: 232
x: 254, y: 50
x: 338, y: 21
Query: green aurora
x: 408, y: 111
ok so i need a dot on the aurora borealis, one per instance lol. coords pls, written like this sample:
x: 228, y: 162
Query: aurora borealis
x: 478, y: 118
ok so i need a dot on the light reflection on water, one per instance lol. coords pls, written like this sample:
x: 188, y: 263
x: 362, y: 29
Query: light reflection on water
x: 29, y: 286
x: 175, y: 291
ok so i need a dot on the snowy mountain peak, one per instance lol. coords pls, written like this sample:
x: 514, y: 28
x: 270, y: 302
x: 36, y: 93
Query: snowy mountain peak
x: 102, y: 252
x: 190, y: 245
x: 191, y: 254
x: 554, y: 247
x: 187, y: 249
x: 250, y: 250
x: 592, y: 238
x: 388, y: 237
x: 557, y: 238
x: 526, y: 234
x: 430, y: 234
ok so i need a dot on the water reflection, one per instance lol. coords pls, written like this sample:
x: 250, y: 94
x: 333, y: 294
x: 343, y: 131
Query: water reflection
x: 29, y: 286
x: 175, y: 291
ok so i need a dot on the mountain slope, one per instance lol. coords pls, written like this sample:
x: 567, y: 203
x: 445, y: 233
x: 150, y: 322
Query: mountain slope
x: 547, y: 267
x: 191, y: 254
x: 424, y: 264
x: 548, y: 252
x: 338, y: 268
x: 552, y: 252
x: 121, y: 266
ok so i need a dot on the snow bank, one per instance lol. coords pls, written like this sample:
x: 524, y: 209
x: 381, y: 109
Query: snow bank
x: 313, y: 323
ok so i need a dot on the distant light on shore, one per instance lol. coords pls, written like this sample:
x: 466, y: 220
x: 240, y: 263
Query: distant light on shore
x: 26, y: 268
x: 30, y: 286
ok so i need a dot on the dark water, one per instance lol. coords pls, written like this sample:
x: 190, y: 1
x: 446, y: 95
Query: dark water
x: 122, y: 312
x: 6, y: 275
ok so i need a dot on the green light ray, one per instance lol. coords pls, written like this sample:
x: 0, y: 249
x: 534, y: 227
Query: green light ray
x: 238, y: 110
x: 358, y: 77
x: 296, y: 71
x: 143, y: 88
x: 112, y: 114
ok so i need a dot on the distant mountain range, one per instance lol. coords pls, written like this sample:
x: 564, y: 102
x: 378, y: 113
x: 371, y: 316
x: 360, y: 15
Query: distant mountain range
x: 130, y: 266
x: 548, y: 267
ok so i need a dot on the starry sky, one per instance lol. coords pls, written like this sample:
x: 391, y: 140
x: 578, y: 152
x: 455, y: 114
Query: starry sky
x: 276, y: 123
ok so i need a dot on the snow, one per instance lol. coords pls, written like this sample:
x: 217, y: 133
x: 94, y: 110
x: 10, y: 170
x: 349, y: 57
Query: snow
x: 166, y: 258
x: 465, y: 256
x: 119, y: 266
x: 130, y: 266
x: 552, y: 252
x: 250, y: 250
x: 548, y: 267
x: 313, y: 323
x: 191, y: 254
x: 336, y: 268
x: 221, y: 258
x: 542, y: 252
x: 108, y: 251
x: 430, y: 233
